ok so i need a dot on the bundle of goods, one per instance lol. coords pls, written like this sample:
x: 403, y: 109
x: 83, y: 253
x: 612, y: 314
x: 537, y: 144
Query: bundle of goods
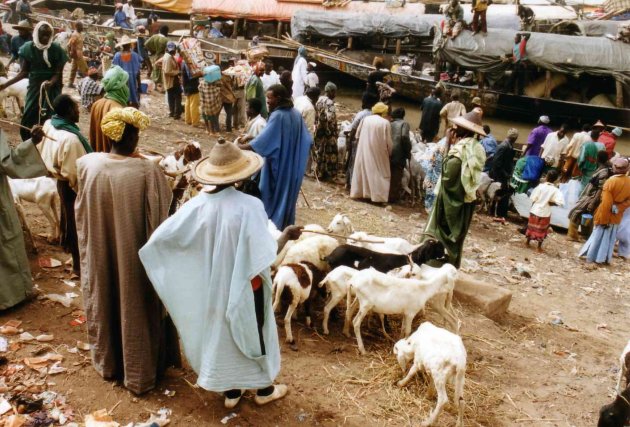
x: 193, y: 56
x: 241, y: 72
x: 257, y: 53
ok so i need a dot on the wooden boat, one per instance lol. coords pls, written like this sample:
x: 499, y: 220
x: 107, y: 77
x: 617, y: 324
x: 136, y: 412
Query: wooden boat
x: 497, y: 102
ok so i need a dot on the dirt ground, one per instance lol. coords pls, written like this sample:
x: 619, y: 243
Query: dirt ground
x: 522, y: 368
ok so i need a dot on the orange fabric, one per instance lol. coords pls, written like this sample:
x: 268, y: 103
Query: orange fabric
x: 178, y: 6
x: 256, y: 283
x: 272, y: 10
x: 616, y: 192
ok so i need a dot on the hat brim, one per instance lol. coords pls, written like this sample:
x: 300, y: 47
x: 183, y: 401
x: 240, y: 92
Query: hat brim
x: 206, y: 173
x: 130, y: 41
x: 20, y: 27
x: 467, y: 124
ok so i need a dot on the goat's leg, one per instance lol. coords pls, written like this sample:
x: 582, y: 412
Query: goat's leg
x: 334, y: 300
x: 406, y: 325
x: 351, y: 307
x: 439, y: 380
x: 438, y: 303
x: 356, y: 322
x: 287, y: 321
x: 29, y: 235
x: 412, y: 371
x: 55, y: 206
x: 278, y: 289
x: 459, y: 395
x: 382, y: 317
x: 46, y: 207
x: 308, y: 309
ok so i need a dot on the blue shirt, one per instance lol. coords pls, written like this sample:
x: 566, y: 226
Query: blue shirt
x: 120, y: 19
x: 490, y: 147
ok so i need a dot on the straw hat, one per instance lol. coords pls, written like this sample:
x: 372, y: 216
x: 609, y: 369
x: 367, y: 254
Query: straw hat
x: 126, y: 40
x: 620, y: 165
x: 226, y: 164
x: 24, y: 24
x: 470, y: 121
x: 599, y: 124
x: 476, y: 101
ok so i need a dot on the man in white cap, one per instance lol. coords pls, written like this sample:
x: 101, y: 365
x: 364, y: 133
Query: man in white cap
x: 311, y: 77
x: 609, y: 139
x: 537, y: 137
x: 210, y: 265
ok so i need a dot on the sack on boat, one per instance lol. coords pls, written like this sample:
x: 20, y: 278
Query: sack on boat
x: 193, y: 56
x: 602, y: 100
x: 536, y: 89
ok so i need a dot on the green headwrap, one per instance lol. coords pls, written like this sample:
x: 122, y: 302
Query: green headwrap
x: 110, y: 36
x: 115, y: 84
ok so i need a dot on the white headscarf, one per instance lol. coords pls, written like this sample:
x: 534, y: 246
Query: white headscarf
x: 38, y: 45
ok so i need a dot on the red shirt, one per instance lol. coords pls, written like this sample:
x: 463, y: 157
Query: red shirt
x: 609, y: 140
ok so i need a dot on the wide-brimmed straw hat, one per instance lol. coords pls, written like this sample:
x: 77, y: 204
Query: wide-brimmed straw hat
x: 599, y: 124
x: 126, y: 40
x: 470, y: 121
x: 226, y: 164
x: 24, y: 24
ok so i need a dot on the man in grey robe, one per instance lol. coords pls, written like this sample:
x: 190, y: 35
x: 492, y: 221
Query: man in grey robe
x: 22, y: 161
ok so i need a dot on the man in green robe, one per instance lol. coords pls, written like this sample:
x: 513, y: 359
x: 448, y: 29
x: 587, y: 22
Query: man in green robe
x: 20, y: 162
x: 461, y: 173
x: 156, y: 46
x: 255, y: 89
x: 42, y: 62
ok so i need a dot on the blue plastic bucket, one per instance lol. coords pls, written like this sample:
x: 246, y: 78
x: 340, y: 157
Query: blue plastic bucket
x: 587, y: 220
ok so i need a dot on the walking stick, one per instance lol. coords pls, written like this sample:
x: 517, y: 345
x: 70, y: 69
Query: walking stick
x: 305, y: 199
x: 9, y: 122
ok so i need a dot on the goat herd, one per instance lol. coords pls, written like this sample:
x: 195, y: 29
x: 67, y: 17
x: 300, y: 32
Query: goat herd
x: 390, y: 276
x: 387, y: 276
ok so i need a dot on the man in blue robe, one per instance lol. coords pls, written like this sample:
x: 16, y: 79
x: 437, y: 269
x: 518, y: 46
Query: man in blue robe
x: 284, y: 143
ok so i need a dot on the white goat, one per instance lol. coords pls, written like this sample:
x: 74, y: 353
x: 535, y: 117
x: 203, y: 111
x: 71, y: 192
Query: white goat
x: 440, y: 353
x: 312, y: 250
x: 298, y: 278
x: 305, y: 235
x: 442, y: 301
x: 17, y: 91
x: 624, y: 367
x: 336, y: 283
x: 43, y: 192
x: 341, y: 224
x: 390, y: 245
x: 385, y: 294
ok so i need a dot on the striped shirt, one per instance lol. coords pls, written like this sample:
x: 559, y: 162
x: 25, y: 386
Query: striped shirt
x: 89, y: 90
x: 210, y: 97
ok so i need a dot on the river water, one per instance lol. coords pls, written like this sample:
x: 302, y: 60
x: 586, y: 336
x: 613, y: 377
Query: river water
x: 351, y: 97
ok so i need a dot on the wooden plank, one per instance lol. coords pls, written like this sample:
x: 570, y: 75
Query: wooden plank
x: 619, y: 98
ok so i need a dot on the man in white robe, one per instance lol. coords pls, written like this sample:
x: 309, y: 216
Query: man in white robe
x: 372, y: 174
x: 210, y: 265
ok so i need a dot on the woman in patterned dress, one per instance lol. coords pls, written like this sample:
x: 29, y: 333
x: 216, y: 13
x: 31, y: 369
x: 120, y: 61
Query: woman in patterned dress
x: 324, y: 150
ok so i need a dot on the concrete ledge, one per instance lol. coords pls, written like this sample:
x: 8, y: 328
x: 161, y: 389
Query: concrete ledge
x: 491, y: 299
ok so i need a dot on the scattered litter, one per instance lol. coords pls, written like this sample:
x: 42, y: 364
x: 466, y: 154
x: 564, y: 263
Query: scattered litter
x: 5, y: 406
x: 41, y: 363
x: 65, y: 300
x: 14, y: 323
x: 15, y: 421
x: 100, y: 418
x: 555, y: 318
x: 49, y: 262
x: 26, y: 337
x: 302, y: 416
x: 83, y: 346
x: 45, y: 338
x: 78, y: 321
x: 169, y: 393
x: 4, y: 344
x: 56, y: 368
x: 9, y: 330
x: 523, y: 271
x: 228, y: 417
x: 69, y: 283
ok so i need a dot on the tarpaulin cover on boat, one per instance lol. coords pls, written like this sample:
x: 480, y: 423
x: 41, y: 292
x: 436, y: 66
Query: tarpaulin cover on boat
x: 272, y: 10
x: 572, y: 55
x: 177, y: 6
x: 597, y: 28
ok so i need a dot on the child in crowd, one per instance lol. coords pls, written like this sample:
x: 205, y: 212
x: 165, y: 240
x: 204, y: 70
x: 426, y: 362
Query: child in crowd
x: 544, y: 196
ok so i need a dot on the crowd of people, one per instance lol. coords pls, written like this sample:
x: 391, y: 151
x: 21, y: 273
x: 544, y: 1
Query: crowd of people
x: 147, y: 277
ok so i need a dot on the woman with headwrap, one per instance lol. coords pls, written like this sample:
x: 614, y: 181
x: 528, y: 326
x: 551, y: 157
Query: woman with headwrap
x: 457, y: 190
x: 121, y: 201
x: 299, y: 72
x: 116, y: 96
x: 371, y: 175
x: 254, y: 87
x: 42, y: 61
x: 324, y: 151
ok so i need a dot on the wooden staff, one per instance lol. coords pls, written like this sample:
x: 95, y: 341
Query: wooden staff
x: 305, y: 199
x: 9, y: 122
x: 342, y: 237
